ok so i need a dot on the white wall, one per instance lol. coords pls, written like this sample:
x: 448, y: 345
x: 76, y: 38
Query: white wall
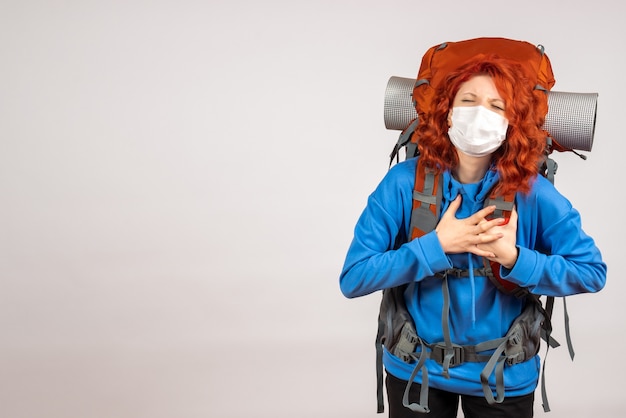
x: 179, y: 181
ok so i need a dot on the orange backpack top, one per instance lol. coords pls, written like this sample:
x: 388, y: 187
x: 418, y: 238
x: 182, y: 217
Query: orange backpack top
x: 444, y: 58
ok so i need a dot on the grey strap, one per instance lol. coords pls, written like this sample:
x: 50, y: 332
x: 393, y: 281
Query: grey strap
x: 422, y: 406
x: 550, y: 343
x: 457, y: 272
x: 544, y: 393
x: 551, y: 167
x: 380, y: 403
x: 553, y: 343
x: 501, y: 205
x: 422, y: 217
x: 445, y: 322
x: 568, y: 336
x: 496, y: 362
x: 403, y: 140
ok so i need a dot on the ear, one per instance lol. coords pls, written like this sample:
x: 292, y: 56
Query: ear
x: 450, y: 117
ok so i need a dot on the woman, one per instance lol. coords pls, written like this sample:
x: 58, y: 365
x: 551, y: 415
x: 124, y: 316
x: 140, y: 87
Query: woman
x: 483, y: 132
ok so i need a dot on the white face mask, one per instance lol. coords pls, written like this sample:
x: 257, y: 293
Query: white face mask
x: 476, y: 130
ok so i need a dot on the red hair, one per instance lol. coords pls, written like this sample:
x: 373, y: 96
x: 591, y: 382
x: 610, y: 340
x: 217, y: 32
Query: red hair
x: 518, y: 159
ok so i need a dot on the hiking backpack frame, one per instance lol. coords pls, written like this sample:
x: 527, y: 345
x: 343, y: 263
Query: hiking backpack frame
x: 569, y: 126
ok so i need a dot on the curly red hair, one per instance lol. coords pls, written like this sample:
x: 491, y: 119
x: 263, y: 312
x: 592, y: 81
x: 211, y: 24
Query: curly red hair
x: 518, y: 159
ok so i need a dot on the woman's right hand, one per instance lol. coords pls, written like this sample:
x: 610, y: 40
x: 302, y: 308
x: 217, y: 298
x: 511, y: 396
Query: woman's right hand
x: 464, y: 235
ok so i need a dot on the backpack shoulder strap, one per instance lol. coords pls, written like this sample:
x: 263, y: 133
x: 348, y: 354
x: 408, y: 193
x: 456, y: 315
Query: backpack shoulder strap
x: 504, y: 206
x: 427, y: 195
x: 393, y: 316
x: 404, y: 141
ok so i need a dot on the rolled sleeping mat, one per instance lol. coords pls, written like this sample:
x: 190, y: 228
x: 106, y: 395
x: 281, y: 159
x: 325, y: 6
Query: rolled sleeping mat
x: 571, y: 118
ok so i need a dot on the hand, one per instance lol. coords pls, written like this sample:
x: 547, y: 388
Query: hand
x: 504, y: 249
x: 474, y: 234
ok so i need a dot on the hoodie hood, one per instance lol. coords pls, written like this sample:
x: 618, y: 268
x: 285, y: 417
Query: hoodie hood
x: 474, y: 194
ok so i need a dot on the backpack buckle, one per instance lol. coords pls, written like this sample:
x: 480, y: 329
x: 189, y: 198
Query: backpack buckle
x: 452, y: 272
x: 440, y: 352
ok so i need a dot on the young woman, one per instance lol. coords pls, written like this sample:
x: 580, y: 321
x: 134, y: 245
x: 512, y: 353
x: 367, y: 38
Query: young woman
x: 483, y: 131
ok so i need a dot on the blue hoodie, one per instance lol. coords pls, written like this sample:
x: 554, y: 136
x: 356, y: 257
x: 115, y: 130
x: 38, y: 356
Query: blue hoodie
x: 556, y: 258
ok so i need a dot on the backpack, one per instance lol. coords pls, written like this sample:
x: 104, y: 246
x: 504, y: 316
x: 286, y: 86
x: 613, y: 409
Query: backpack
x: 396, y: 330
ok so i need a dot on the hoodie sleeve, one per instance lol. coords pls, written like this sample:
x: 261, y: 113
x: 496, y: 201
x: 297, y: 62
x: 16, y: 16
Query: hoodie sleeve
x: 373, y: 261
x: 556, y: 257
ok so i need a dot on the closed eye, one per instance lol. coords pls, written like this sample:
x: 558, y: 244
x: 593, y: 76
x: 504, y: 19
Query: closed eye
x: 498, y: 104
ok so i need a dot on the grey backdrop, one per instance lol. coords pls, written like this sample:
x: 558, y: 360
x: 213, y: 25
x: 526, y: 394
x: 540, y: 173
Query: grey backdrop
x: 179, y: 181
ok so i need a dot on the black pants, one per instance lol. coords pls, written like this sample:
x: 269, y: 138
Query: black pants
x: 444, y: 404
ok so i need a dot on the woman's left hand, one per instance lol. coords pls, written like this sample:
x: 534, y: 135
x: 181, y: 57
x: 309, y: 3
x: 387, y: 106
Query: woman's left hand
x: 504, y: 248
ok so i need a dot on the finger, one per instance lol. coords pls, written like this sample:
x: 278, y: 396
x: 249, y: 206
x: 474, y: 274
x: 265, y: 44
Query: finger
x: 484, y: 225
x: 513, y: 218
x: 483, y: 213
x: 453, y: 207
x: 480, y: 252
x: 486, y: 238
x: 456, y: 203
